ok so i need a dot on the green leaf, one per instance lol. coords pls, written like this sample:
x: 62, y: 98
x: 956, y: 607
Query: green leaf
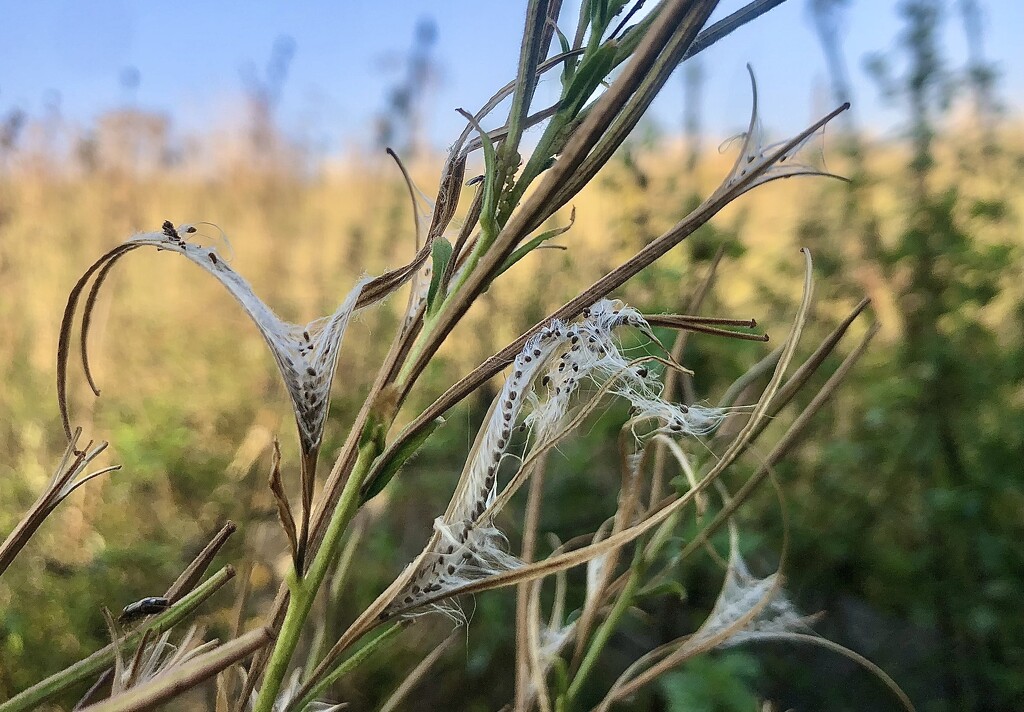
x: 723, y: 683
x: 600, y: 16
x: 440, y: 254
x: 489, y: 202
x: 588, y: 78
x: 569, y: 67
x: 536, y: 242
x: 397, y: 461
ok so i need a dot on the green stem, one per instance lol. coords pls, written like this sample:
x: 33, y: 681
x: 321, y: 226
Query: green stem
x: 303, y: 591
x: 553, y: 135
x: 321, y: 646
x: 604, y: 633
x: 429, y: 321
x: 346, y: 667
x: 551, y: 141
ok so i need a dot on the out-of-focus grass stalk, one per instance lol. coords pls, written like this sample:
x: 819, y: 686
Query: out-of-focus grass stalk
x: 99, y: 661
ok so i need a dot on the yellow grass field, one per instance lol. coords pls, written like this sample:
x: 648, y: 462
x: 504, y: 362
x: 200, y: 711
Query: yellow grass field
x: 187, y: 382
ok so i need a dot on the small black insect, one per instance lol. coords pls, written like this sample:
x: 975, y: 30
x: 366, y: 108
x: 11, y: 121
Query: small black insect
x: 144, y: 607
x: 169, y: 230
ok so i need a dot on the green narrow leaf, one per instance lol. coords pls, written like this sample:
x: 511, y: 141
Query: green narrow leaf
x: 588, y: 78
x: 600, y: 16
x: 377, y: 482
x: 440, y: 254
x: 489, y: 202
x: 536, y: 242
x: 569, y: 66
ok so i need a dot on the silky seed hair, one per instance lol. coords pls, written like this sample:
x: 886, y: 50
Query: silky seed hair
x: 544, y: 376
x: 755, y: 154
x: 306, y: 355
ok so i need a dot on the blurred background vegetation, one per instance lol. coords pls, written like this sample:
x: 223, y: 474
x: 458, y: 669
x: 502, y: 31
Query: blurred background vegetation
x: 905, y: 504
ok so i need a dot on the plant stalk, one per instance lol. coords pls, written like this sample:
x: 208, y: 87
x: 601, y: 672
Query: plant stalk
x: 304, y: 590
x: 602, y: 636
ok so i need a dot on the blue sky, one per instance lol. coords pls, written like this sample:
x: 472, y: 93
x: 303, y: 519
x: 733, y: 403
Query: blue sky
x: 191, y: 56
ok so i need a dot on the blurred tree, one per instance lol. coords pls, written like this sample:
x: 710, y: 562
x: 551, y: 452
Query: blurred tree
x: 924, y: 464
x: 402, y: 123
x: 693, y: 84
x: 264, y: 94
